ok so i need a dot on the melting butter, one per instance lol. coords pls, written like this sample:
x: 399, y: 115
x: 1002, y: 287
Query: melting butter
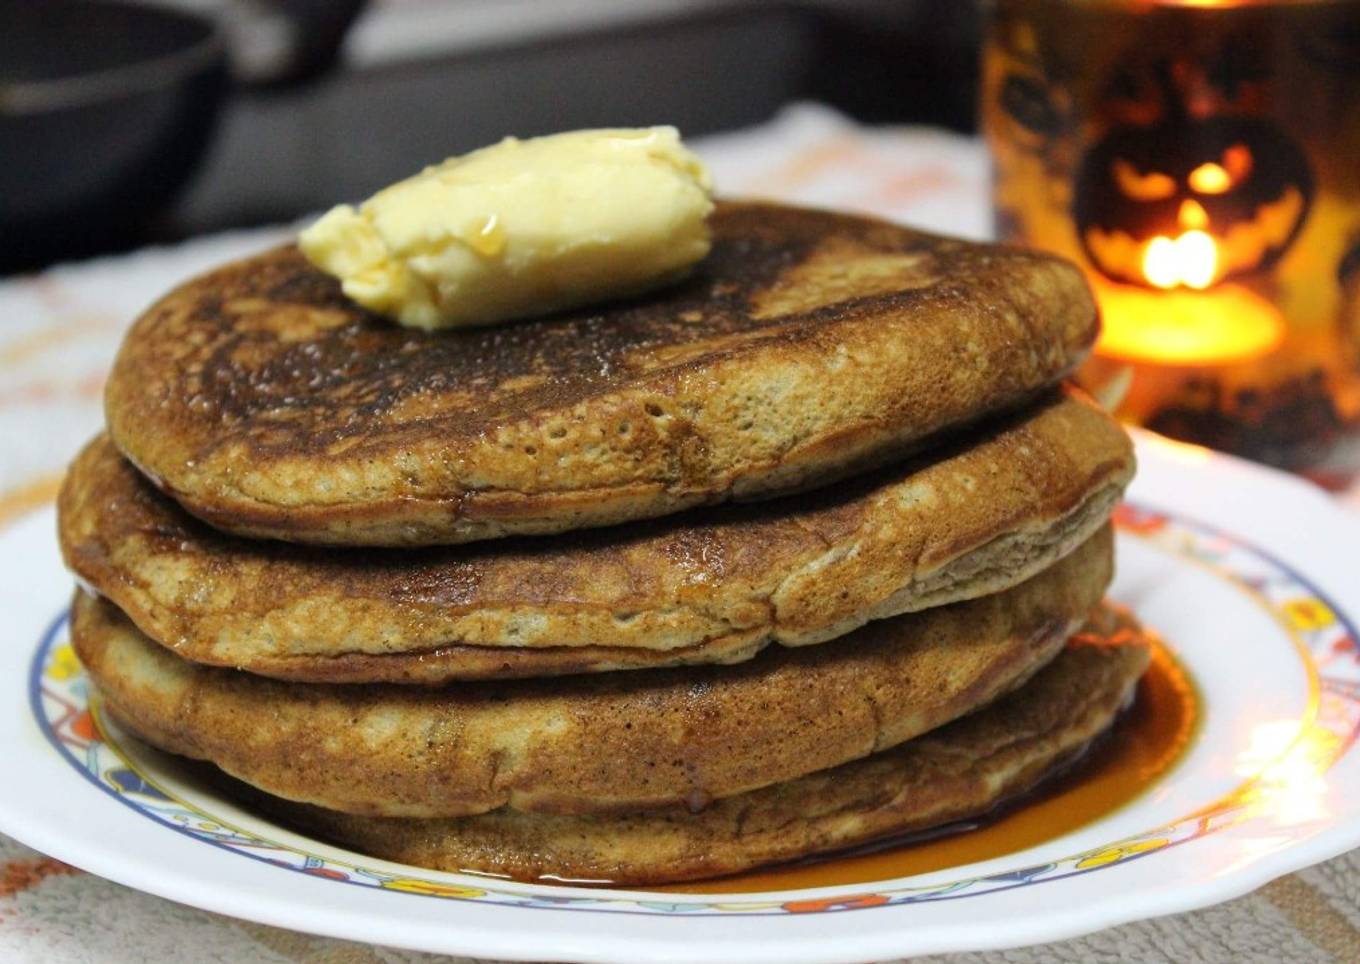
x: 522, y: 228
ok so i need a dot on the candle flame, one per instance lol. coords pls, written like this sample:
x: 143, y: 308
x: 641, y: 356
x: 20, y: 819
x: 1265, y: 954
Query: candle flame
x: 1190, y: 260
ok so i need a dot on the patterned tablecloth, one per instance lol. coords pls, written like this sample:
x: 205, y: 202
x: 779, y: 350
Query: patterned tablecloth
x: 58, y: 333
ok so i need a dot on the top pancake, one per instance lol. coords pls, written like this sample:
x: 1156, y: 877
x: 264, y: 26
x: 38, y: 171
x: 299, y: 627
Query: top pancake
x: 806, y: 346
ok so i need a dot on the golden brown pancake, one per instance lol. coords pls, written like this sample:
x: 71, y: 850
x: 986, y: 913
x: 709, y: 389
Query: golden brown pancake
x: 980, y: 515
x: 806, y: 347
x: 600, y: 742
x: 956, y: 772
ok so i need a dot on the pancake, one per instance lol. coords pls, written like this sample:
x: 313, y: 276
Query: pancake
x: 985, y: 513
x: 807, y: 346
x: 957, y: 772
x: 608, y: 741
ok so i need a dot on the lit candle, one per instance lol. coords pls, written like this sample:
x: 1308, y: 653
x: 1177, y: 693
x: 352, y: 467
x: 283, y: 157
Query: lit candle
x: 1181, y: 327
x: 1195, y: 167
x: 1221, y: 325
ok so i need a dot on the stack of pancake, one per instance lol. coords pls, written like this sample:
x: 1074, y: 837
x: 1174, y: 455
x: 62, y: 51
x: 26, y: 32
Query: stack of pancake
x: 805, y: 551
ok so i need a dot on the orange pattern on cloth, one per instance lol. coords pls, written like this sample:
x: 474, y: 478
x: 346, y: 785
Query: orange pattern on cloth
x: 20, y: 875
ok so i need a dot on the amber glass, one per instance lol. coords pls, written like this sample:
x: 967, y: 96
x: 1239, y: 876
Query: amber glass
x: 1201, y: 160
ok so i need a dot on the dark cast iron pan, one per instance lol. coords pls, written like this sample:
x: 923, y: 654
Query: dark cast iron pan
x: 106, y: 107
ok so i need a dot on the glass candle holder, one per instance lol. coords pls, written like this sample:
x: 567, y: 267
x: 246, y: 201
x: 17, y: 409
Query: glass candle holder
x: 1201, y: 160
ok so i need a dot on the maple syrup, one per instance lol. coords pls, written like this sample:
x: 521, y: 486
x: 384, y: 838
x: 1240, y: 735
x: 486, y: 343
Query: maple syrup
x: 1144, y: 743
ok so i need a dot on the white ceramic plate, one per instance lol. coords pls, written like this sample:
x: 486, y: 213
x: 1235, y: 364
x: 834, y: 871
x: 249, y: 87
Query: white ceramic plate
x: 1250, y: 576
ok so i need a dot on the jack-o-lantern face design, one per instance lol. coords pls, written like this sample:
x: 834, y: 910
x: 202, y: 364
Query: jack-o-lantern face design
x: 1191, y: 202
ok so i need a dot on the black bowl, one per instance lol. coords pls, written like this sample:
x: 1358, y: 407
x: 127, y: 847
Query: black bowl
x: 105, y: 109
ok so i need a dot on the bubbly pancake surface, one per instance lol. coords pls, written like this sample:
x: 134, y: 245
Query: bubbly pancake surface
x: 988, y: 510
x: 959, y: 771
x: 807, y: 346
x: 599, y: 742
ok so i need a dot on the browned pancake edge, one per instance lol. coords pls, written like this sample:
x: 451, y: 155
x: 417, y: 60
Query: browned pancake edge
x: 985, y: 511
x: 957, y: 772
x: 606, y: 741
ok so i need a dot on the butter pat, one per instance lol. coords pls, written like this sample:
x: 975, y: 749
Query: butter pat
x: 522, y: 228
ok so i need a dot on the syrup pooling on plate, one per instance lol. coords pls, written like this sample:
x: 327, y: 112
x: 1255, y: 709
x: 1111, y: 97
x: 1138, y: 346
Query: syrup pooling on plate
x: 1144, y: 744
